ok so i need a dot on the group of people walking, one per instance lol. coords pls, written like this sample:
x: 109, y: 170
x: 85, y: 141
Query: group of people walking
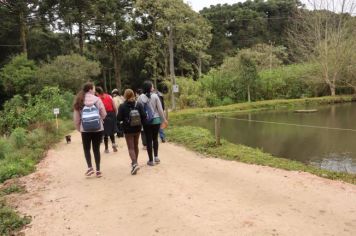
x: 99, y: 116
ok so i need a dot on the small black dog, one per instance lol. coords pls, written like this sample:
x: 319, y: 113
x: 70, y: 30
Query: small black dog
x: 68, y: 138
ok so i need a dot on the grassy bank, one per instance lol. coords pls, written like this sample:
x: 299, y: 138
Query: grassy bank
x: 201, y: 140
x: 260, y: 105
x: 19, y: 155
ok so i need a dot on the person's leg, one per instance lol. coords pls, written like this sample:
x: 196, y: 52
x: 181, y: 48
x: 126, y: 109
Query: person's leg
x: 96, y: 136
x: 114, y: 145
x: 143, y: 138
x: 162, y: 135
x: 155, y: 130
x: 148, y: 134
x: 106, y: 142
x: 136, y: 138
x: 86, y: 147
x: 131, y: 147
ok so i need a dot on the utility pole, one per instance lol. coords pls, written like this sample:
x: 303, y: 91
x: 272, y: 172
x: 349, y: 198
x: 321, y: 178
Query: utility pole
x: 270, y: 57
x: 171, y: 64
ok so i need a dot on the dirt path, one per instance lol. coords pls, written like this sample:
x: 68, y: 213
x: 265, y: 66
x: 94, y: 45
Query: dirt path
x: 185, y: 195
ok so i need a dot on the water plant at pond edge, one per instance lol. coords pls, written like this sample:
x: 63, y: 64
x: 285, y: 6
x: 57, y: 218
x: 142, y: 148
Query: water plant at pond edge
x: 201, y: 140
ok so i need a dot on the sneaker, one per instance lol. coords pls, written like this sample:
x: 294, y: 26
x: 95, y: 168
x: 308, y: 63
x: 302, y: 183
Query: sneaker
x: 150, y: 163
x: 106, y: 151
x: 89, y: 172
x: 99, y: 174
x: 114, y: 147
x: 134, y: 170
x: 157, y: 160
x: 163, y: 140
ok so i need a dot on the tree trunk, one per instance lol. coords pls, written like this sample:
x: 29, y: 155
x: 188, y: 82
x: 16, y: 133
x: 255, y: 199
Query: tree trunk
x: 110, y: 84
x: 71, y: 37
x: 199, y: 66
x: 332, y: 89
x: 23, y: 33
x: 81, y: 38
x: 117, y: 68
x: 248, y: 93
x: 105, y: 84
x: 166, y: 68
x: 171, y: 64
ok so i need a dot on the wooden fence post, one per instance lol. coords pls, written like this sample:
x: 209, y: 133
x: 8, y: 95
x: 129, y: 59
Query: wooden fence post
x: 217, y: 130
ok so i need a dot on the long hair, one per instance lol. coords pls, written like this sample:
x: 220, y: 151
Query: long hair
x: 147, y: 87
x: 79, y: 99
x: 129, y: 95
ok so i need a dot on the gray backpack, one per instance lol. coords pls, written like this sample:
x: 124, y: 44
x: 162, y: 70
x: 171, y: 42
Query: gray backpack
x: 134, y: 117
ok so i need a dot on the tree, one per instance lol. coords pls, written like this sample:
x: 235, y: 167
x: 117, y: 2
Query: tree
x: 243, y: 25
x: 183, y: 31
x: 76, y: 12
x: 19, y: 76
x: 113, y: 29
x: 248, y: 73
x: 21, y: 9
x: 326, y: 38
x: 68, y: 72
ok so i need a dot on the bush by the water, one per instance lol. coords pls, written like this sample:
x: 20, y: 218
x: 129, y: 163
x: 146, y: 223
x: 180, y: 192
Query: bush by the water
x: 220, y: 87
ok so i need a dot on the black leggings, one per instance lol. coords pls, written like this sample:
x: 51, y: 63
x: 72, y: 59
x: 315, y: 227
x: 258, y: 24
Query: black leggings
x: 151, y: 132
x: 106, y: 140
x: 94, y: 138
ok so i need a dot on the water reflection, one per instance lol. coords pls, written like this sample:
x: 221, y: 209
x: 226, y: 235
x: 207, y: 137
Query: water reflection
x: 328, y: 149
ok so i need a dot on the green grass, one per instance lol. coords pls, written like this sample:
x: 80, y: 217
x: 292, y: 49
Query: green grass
x: 12, y: 188
x: 19, y: 155
x: 260, y: 105
x: 10, y: 221
x: 24, y: 149
x: 202, y: 141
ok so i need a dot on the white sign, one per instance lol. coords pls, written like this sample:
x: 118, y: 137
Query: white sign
x: 56, y: 111
x: 175, y: 88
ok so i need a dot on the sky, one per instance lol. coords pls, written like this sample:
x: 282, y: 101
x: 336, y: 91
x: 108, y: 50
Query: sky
x: 200, y: 4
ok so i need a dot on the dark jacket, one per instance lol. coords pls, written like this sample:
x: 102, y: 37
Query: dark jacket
x: 124, y: 115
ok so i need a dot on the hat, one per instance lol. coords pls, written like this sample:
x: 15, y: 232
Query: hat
x: 115, y: 91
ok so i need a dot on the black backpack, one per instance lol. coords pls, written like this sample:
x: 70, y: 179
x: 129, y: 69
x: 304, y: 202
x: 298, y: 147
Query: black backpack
x: 134, y: 117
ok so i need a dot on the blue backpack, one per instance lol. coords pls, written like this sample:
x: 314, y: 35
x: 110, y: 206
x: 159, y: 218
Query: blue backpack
x: 90, y: 118
x: 149, y: 112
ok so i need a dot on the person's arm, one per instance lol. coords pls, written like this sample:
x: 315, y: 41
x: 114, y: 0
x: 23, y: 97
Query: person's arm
x: 160, y: 109
x: 141, y: 111
x: 76, y: 119
x: 101, y: 108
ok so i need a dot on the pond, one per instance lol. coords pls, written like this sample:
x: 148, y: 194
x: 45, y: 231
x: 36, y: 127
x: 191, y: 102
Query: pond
x: 326, y: 138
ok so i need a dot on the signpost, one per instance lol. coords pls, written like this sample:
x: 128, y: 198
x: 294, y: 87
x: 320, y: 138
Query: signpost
x: 175, y: 88
x: 56, y: 113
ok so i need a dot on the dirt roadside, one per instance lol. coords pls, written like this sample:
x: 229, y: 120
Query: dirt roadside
x: 186, y: 194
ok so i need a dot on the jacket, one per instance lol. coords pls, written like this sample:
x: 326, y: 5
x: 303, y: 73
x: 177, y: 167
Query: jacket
x: 89, y: 100
x: 155, y: 104
x: 124, y: 115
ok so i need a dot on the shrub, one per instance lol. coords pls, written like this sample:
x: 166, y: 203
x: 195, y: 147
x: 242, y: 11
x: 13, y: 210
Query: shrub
x: 68, y: 72
x: 18, y: 137
x: 18, y: 76
x: 34, y: 110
